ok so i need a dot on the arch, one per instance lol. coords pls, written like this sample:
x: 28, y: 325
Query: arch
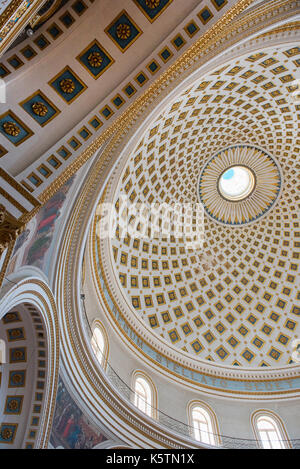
x: 203, y: 423
x: 99, y: 342
x: 269, y: 430
x: 144, y: 393
x: 29, y: 327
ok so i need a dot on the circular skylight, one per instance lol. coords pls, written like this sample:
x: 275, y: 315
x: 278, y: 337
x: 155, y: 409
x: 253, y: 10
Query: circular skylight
x: 236, y: 183
x: 239, y: 184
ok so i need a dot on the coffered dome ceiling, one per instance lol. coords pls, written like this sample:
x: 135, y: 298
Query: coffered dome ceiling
x: 234, y: 300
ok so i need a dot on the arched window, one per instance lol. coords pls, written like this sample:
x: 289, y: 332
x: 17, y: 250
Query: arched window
x: 203, y: 423
x: 99, y: 343
x: 145, y: 395
x: 269, y: 430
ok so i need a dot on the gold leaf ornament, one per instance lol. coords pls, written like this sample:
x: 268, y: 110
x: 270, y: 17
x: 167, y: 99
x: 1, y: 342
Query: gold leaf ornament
x: 123, y: 31
x: 95, y: 59
x: 40, y: 109
x: 152, y: 3
x: 67, y: 85
x: 10, y: 128
x: 6, y: 433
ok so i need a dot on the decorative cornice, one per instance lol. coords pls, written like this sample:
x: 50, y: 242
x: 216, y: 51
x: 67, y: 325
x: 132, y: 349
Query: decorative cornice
x: 9, y: 11
x: 15, y: 18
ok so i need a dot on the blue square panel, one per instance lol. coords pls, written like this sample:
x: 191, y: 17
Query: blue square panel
x: 79, y: 7
x: 152, y: 8
x: 68, y: 85
x: 205, y: 15
x: 17, y: 355
x: 14, y: 129
x: 13, y: 316
x: 40, y: 108
x: 13, y: 405
x: 123, y: 31
x: 218, y: 4
x: 17, y: 333
x: 15, y: 62
x: 95, y: 59
x: 42, y: 42
x: 17, y: 379
x: 3, y: 71
x: 67, y: 19
x: 8, y: 432
x: 28, y: 52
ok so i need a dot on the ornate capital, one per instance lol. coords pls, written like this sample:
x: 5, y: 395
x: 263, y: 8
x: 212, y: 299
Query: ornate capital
x: 10, y: 229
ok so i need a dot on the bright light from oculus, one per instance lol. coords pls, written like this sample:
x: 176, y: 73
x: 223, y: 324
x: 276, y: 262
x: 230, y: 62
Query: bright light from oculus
x: 236, y: 183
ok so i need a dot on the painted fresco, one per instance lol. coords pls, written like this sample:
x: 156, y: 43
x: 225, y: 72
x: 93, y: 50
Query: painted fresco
x: 71, y: 429
x: 33, y: 247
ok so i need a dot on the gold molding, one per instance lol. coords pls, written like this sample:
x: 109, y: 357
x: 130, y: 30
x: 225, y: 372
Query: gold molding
x: 48, y: 101
x: 9, y: 10
x: 42, y: 19
x: 22, y: 191
x: 13, y: 32
x: 158, y: 14
x: 6, y: 261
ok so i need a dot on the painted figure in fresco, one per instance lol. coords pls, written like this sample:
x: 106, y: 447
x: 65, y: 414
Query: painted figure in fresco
x: 46, y: 222
x: 63, y: 419
x: 75, y: 435
x: 21, y: 239
x: 70, y: 428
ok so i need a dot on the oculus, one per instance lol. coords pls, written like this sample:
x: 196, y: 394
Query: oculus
x: 239, y: 185
x: 236, y: 183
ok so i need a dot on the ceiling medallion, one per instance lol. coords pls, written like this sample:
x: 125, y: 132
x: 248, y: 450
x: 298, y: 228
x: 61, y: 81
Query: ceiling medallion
x: 67, y: 85
x: 239, y: 185
x: 10, y: 128
x: 152, y: 3
x: 6, y: 433
x: 123, y: 31
x: 95, y: 59
x: 40, y: 109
